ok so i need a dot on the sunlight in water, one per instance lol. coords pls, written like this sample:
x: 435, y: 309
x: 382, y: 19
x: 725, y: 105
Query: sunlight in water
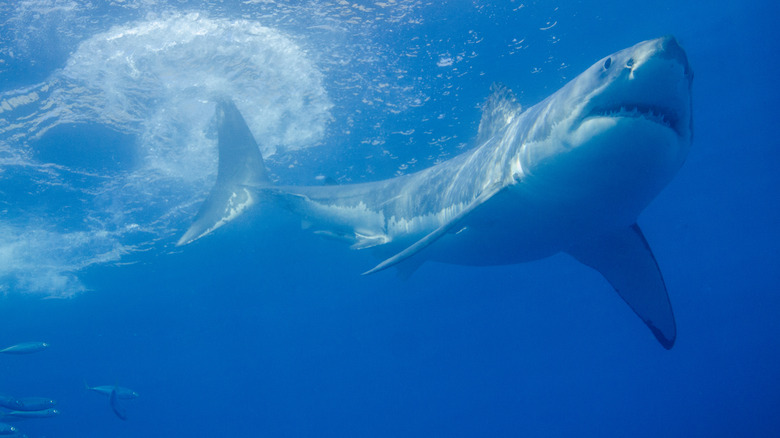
x: 153, y: 81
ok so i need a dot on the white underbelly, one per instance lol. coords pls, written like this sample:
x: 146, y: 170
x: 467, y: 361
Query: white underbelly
x: 523, y: 223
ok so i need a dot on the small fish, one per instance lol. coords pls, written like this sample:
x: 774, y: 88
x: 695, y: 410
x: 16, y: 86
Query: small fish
x: 118, y: 410
x: 34, y: 403
x: 7, y: 429
x: 46, y: 413
x: 25, y: 348
x: 121, y: 392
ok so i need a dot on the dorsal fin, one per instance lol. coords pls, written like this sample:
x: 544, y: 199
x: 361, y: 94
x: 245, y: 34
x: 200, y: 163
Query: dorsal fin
x: 498, y: 110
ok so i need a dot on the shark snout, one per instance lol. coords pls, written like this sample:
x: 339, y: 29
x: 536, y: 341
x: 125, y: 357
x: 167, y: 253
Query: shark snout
x: 671, y: 49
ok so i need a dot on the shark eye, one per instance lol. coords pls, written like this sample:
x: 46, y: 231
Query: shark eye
x: 607, y: 63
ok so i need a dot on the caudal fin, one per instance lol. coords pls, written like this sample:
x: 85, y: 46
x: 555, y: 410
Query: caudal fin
x: 240, y: 169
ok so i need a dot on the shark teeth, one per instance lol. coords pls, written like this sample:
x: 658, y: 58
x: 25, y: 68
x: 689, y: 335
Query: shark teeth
x: 654, y: 114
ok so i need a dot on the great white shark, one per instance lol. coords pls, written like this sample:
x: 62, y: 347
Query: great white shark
x: 569, y: 174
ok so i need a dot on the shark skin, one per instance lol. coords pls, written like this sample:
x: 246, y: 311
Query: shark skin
x: 569, y: 174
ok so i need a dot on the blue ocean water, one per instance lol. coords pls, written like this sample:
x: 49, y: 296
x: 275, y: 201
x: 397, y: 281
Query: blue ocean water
x: 107, y: 148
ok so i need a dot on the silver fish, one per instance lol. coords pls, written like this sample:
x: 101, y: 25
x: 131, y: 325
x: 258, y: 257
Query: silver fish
x: 7, y: 429
x: 34, y: 403
x: 25, y: 348
x: 122, y: 393
x: 46, y: 413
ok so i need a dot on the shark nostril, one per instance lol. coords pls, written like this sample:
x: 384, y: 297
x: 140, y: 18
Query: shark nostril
x: 630, y: 63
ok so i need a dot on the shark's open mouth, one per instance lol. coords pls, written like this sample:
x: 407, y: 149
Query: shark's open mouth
x: 655, y: 114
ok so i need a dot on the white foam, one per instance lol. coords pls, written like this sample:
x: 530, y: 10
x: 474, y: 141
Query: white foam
x: 42, y: 261
x: 155, y: 79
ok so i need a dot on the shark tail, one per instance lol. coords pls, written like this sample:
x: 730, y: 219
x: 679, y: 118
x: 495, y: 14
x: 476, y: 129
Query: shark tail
x: 240, y: 172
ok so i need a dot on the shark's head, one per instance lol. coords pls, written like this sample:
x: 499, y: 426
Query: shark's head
x: 623, y: 125
x: 647, y: 86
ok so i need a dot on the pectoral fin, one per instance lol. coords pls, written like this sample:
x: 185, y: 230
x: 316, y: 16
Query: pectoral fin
x: 624, y: 258
x: 115, y: 406
x: 437, y: 233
